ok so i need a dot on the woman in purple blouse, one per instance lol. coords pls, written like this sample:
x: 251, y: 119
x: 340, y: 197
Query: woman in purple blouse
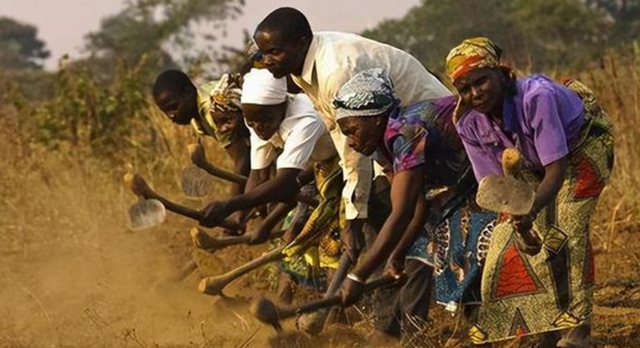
x: 566, y: 142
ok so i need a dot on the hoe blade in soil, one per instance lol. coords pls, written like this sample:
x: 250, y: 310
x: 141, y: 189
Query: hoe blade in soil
x: 146, y: 213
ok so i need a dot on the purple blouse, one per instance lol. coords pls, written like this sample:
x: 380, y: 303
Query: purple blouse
x: 542, y: 120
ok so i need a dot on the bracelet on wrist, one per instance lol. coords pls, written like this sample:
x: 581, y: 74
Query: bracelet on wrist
x: 356, y: 278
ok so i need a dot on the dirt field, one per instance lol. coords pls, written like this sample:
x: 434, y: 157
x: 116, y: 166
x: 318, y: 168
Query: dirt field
x: 78, y: 278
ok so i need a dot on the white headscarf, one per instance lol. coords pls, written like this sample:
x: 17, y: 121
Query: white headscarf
x: 260, y: 87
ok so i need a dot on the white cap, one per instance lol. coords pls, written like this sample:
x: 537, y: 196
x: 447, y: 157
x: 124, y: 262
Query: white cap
x: 260, y: 87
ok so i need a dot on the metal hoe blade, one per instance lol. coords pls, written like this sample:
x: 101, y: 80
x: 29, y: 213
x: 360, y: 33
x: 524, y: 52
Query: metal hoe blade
x: 146, y: 213
x: 195, y: 182
x: 505, y: 195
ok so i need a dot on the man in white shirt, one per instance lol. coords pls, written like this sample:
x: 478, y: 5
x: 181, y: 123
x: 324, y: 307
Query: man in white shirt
x: 320, y: 63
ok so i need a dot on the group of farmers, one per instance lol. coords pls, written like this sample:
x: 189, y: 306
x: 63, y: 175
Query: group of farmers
x: 396, y: 154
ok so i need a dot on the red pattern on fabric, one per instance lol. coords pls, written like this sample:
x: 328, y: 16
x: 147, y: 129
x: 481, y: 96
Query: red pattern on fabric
x: 514, y: 277
x: 503, y: 217
x: 589, y: 183
x: 518, y: 326
x: 521, y: 332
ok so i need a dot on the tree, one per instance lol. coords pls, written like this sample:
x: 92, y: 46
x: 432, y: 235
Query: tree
x: 20, y: 47
x: 164, y: 28
x: 99, y: 105
x: 625, y: 15
x: 561, y: 33
x: 536, y: 34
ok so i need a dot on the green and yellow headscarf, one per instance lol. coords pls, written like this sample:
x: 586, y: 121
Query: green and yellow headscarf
x: 471, y: 54
x: 225, y: 96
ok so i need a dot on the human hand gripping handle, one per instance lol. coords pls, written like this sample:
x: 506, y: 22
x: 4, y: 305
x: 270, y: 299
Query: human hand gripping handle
x: 354, y: 286
x: 528, y: 240
x: 263, y: 233
x: 215, y: 213
x: 394, y: 266
x: 269, y: 312
x: 351, y: 290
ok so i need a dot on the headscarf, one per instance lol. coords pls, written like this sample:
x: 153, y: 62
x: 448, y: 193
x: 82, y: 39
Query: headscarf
x: 260, y: 87
x: 471, y: 54
x: 225, y: 96
x: 368, y: 93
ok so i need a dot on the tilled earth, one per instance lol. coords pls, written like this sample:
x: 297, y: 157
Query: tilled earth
x: 114, y: 289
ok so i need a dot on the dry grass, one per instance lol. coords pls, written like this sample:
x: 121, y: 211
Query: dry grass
x: 72, y: 275
x: 617, y: 85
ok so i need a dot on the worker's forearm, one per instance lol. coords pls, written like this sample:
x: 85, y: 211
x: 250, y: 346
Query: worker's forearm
x: 279, y: 189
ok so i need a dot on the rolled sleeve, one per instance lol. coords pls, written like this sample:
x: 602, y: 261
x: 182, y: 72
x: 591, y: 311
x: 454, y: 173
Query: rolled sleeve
x: 300, y: 143
x: 407, y: 147
x: 263, y: 153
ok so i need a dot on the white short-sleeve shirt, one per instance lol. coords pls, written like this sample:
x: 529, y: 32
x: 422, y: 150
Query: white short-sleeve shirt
x: 301, y: 139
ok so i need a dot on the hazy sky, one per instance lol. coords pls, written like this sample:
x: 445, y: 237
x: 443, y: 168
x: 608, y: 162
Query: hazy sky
x: 62, y: 24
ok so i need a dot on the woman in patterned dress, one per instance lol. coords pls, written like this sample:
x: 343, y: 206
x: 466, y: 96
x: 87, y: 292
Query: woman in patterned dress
x: 540, y: 284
